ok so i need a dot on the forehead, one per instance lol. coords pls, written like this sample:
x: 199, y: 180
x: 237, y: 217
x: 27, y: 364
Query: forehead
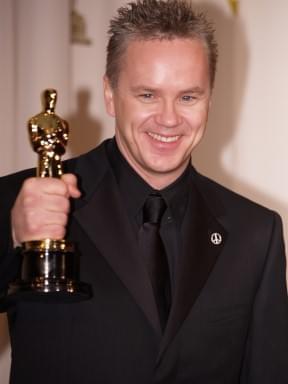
x: 174, y: 60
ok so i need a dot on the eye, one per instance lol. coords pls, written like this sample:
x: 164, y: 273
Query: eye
x: 188, y: 98
x: 146, y: 96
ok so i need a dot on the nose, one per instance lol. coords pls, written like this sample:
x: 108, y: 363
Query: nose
x: 168, y: 115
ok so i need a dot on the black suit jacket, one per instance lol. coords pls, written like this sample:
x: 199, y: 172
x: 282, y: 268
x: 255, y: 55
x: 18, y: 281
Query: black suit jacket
x: 229, y: 318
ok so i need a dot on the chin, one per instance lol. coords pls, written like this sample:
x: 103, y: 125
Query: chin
x: 167, y: 163
x: 166, y: 168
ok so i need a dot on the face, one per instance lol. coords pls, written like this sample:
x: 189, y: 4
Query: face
x: 160, y: 106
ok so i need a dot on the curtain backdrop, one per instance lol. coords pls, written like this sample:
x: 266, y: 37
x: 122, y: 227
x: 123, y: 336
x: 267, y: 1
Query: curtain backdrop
x: 35, y: 54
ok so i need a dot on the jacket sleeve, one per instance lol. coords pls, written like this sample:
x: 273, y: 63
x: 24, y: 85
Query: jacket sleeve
x: 266, y: 358
x: 9, y: 258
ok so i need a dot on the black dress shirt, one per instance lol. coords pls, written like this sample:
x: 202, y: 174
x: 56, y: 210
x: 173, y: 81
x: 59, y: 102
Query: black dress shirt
x: 135, y: 190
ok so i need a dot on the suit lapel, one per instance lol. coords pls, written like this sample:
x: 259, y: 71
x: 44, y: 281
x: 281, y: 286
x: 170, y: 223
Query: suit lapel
x: 197, y: 257
x: 106, y: 222
x: 104, y: 219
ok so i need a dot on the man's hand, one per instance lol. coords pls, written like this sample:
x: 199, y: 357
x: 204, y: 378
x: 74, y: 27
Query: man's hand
x: 42, y: 207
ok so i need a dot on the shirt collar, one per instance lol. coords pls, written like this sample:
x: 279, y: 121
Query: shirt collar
x: 135, y: 190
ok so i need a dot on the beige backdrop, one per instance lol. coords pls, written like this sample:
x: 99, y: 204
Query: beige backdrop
x: 247, y: 136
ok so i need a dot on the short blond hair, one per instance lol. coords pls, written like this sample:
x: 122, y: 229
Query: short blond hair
x: 157, y: 19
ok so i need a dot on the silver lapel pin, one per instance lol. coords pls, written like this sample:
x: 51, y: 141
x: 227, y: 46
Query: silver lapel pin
x: 216, y: 238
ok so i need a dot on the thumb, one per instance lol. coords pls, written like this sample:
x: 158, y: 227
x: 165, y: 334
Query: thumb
x: 71, y: 182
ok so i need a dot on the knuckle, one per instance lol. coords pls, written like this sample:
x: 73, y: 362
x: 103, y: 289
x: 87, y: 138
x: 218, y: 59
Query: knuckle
x: 31, y: 225
x: 58, y: 232
x: 66, y: 206
x: 65, y: 220
x: 28, y: 201
x: 61, y: 219
x: 30, y: 185
x: 69, y: 178
x: 61, y: 184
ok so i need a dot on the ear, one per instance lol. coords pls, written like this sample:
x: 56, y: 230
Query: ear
x: 108, y: 97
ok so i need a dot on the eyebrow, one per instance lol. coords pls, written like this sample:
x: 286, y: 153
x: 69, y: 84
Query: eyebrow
x: 144, y: 88
x: 193, y: 90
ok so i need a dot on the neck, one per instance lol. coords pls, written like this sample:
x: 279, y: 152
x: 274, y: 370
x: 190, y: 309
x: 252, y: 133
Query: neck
x: 161, y: 181
x: 156, y: 179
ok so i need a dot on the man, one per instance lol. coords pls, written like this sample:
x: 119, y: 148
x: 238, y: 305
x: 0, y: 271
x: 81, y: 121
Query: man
x: 217, y: 310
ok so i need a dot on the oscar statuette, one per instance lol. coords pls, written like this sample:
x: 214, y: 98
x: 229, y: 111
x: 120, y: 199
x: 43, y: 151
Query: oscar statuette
x: 49, y: 267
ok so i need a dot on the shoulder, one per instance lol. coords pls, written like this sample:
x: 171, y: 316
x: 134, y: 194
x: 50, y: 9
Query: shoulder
x: 234, y: 206
x: 251, y: 227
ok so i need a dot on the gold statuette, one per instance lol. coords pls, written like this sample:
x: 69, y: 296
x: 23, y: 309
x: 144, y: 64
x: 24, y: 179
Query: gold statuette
x: 50, y: 268
x: 49, y: 136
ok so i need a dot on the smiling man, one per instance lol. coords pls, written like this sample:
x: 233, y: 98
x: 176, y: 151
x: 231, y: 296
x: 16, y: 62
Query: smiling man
x: 160, y: 104
x: 188, y: 277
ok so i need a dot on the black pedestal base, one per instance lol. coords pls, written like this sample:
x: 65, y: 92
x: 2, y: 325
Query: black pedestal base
x: 49, y: 272
x: 49, y: 291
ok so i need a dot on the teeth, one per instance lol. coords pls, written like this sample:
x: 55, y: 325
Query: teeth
x: 164, y: 139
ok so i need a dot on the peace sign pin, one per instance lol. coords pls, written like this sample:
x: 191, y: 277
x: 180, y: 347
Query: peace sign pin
x: 216, y: 238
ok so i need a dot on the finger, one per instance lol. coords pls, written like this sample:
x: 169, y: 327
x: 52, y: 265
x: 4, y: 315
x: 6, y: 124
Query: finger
x: 71, y: 182
x: 35, y: 221
x: 45, y: 203
x: 40, y: 224
x: 46, y: 185
x: 53, y: 231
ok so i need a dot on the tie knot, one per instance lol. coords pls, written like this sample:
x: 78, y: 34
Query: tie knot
x: 154, y: 208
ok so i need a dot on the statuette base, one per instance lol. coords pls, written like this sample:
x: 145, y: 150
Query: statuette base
x: 49, y: 272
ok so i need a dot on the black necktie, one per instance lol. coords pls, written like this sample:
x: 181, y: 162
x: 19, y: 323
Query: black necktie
x: 154, y: 254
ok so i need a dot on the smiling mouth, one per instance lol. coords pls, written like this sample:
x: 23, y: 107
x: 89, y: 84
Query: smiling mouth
x: 163, y: 139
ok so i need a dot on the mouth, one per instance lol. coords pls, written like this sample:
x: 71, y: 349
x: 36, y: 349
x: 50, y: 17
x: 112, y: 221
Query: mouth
x: 164, y: 139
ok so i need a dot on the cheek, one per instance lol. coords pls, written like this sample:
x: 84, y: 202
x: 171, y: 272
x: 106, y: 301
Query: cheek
x: 129, y: 123
x: 137, y: 118
x: 196, y: 120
